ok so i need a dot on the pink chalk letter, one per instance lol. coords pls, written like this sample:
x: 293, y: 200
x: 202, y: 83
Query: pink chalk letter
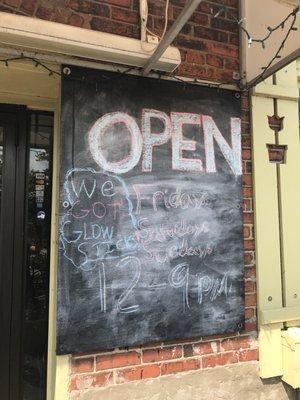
x: 95, y: 136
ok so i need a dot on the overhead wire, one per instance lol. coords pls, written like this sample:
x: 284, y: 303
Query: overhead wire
x: 152, y: 33
x: 251, y: 39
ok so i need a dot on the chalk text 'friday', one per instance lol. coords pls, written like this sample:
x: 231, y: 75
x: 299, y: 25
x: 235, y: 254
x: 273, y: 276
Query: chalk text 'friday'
x: 142, y: 141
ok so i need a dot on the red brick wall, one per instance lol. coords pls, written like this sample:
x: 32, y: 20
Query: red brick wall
x: 209, y: 46
x: 209, y: 49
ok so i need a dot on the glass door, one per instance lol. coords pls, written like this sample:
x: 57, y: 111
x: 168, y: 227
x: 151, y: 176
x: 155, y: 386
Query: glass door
x: 25, y: 204
x: 38, y: 223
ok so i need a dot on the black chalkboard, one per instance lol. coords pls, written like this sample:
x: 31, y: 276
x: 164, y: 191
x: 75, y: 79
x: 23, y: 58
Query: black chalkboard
x: 150, y: 230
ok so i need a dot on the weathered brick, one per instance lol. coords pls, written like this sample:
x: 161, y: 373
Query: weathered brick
x: 135, y: 374
x: 157, y: 8
x: 232, y: 64
x: 248, y: 165
x: 208, y: 7
x: 247, y: 192
x: 76, y: 20
x: 202, y: 348
x: 251, y: 326
x: 237, y: 343
x: 80, y: 365
x: 12, y: 3
x: 190, y: 43
x: 183, y: 54
x: 234, y: 39
x: 210, y: 34
x: 250, y: 273
x: 223, y: 75
x: 246, y: 142
x: 214, y: 61
x: 226, y: 50
x: 188, y: 350
x: 230, y: 3
x: 192, y: 70
x: 196, y: 18
x: 120, y: 14
x: 200, y: 19
x: 87, y: 381
x: 247, y: 232
x: 249, y: 313
x: 245, y: 101
x: 44, y: 13
x: 120, y: 3
x: 248, y: 217
x: 249, y: 245
x: 178, y: 2
x: 250, y: 300
x: 167, y: 353
x: 249, y: 287
x: 62, y: 16
x: 219, y: 359
x: 180, y: 366
x: 246, y: 154
x: 88, y: 7
x: 247, y: 206
x: 117, y: 360
x: 224, y: 24
x: 245, y: 128
x: 106, y: 25
x: 247, y: 180
x: 28, y: 6
x: 249, y: 355
x: 195, y: 57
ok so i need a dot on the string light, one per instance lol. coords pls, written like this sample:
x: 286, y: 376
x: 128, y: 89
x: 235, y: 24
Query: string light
x: 271, y: 30
x: 292, y: 16
x: 119, y: 74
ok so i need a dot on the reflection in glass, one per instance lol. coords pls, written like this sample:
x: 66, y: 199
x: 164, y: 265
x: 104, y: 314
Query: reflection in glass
x: 35, y: 329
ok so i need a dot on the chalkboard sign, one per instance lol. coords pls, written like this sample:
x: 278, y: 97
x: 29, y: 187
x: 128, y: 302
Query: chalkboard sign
x: 150, y: 230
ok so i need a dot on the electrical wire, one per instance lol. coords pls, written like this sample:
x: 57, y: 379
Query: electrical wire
x: 291, y: 16
x: 34, y: 60
x: 166, y: 22
x: 152, y: 33
x: 261, y: 77
x: 118, y: 75
x: 269, y: 28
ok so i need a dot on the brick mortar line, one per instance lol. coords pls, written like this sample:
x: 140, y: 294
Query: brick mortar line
x: 159, y: 347
x: 160, y: 362
x: 155, y: 347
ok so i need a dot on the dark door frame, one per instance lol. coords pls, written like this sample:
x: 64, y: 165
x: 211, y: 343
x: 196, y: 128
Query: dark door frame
x: 12, y: 247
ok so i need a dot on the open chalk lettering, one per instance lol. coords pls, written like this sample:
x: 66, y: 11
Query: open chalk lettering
x: 143, y: 141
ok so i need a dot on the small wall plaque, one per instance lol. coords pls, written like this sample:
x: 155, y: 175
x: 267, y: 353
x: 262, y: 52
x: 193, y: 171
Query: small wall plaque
x: 277, y: 153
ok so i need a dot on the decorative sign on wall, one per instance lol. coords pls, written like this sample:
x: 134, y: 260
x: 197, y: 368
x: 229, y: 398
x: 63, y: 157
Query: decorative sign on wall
x: 150, y: 231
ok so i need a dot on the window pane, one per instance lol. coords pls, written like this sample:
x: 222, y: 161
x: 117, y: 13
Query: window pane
x: 37, y: 267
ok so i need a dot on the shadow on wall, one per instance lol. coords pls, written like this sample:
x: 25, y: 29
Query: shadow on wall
x: 291, y: 393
